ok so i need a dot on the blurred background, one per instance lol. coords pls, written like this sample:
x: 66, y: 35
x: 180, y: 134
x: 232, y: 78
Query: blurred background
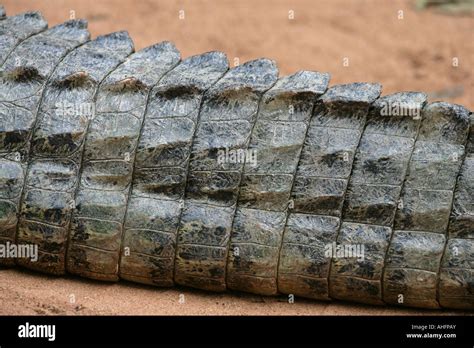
x: 425, y: 45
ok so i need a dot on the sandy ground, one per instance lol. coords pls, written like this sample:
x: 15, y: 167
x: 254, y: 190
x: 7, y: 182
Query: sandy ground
x: 406, y: 50
x: 24, y: 292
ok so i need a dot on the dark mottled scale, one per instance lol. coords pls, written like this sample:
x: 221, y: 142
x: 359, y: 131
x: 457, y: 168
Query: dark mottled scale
x: 202, y: 244
x: 461, y: 224
x: 456, y: 277
x: 24, y: 75
x: 382, y: 158
x: 412, y: 263
x: 57, y: 145
x: 318, y: 191
x: 17, y: 28
x: 421, y: 220
x: 304, y: 266
x: 23, y: 78
x: 228, y: 113
x: 161, y: 163
x: 109, y: 152
x: 357, y: 274
x: 276, y: 142
x: 371, y: 199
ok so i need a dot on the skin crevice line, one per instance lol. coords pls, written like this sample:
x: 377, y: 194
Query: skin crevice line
x: 417, y: 101
x: 14, y: 30
x: 421, y: 221
x: 56, y: 148
x: 145, y: 167
x: 277, y: 138
x: 319, y: 188
x: 24, y: 75
x: 457, y: 262
x: 109, y: 152
x: 213, y: 184
x: 156, y: 200
x: 373, y: 193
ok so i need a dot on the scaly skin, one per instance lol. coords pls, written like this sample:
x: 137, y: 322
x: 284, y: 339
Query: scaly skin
x: 147, y: 184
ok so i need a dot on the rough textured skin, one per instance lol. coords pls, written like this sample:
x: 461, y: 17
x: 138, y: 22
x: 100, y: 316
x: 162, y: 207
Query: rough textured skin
x: 228, y: 113
x: 24, y: 75
x: 456, y: 276
x: 14, y: 30
x: 319, y: 188
x: 161, y: 167
x: 52, y: 178
x: 160, y: 171
x: 108, y: 161
x: 372, y: 196
x: 421, y: 221
x: 277, y: 139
